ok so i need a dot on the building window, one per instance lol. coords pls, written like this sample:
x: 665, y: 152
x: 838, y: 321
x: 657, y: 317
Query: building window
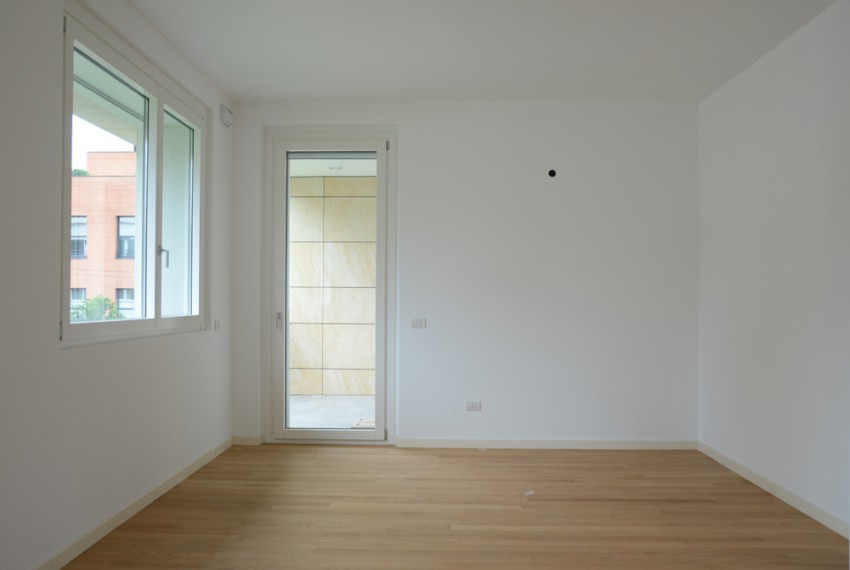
x: 79, y: 229
x: 125, y: 298
x: 126, y: 237
x: 78, y: 296
x: 138, y: 137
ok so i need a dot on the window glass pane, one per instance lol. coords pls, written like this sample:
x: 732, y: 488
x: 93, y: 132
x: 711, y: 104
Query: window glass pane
x: 108, y: 132
x: 178, y: 259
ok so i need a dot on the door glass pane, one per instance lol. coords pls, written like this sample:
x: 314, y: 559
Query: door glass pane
x: 331, y: 280
x: 178, y: 255
x: 108, y: 161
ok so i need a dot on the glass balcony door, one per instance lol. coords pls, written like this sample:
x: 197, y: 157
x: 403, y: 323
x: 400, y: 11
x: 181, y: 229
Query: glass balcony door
x: 331, y: 378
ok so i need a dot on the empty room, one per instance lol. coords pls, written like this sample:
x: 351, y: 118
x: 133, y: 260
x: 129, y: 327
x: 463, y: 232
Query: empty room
x: 425, y: 284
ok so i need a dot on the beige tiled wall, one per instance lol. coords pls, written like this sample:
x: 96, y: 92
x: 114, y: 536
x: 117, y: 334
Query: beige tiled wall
x: 332, y: 273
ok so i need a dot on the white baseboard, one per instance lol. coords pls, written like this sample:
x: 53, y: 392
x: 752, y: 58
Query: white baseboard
x: 545, y: 443
x: 247, y: 440
x: 84, y: 542
x: 806, y: 507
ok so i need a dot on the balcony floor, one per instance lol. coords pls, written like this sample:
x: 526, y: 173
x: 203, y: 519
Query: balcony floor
x: 326, y: 412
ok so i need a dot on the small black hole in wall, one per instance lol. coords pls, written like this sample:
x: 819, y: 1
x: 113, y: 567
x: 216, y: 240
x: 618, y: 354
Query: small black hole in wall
x: 552, y: 174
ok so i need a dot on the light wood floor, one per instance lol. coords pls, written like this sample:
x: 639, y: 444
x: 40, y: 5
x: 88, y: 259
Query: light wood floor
x: 272, y: 507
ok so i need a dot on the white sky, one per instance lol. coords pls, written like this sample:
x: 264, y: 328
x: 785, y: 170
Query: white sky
x: 88, y: 138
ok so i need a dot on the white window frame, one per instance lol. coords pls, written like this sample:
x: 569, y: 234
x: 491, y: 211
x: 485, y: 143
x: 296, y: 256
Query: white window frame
x: 82, y: 28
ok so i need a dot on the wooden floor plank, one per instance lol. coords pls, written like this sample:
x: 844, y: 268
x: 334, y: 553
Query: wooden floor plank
x: 272, y: 507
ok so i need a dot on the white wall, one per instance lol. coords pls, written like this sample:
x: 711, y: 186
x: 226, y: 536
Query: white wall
x: 567, y: 305
x: 86, y: 431
x: 775, y: 264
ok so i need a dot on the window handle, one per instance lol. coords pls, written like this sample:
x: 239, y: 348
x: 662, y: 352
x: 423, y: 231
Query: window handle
x: 160, y: 250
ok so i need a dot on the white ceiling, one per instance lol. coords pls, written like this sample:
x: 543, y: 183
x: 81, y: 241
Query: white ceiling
x: 483, y: 50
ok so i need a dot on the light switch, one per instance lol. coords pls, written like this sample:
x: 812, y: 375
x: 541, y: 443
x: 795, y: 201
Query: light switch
x: 418, y: 323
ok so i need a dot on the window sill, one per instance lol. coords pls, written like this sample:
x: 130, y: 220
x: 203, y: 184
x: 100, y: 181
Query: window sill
x: 93, y: 340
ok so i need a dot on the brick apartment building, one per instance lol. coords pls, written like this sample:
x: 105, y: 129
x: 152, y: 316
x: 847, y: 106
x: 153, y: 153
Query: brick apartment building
x: 103, y: 215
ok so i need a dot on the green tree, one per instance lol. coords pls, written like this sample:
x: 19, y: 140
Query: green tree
x: 79, y: 172
x: 98, y: 308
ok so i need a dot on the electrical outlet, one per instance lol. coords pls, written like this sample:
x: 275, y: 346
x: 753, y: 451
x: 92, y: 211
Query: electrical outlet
x: 418, y: 323
x: 473, y: 405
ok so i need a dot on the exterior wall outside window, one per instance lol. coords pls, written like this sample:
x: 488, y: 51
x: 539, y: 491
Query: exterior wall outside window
x: 332, y: 285
x: 107, y: 193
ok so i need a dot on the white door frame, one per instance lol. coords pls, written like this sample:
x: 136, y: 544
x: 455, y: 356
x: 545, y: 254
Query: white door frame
x: 278, y: 142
